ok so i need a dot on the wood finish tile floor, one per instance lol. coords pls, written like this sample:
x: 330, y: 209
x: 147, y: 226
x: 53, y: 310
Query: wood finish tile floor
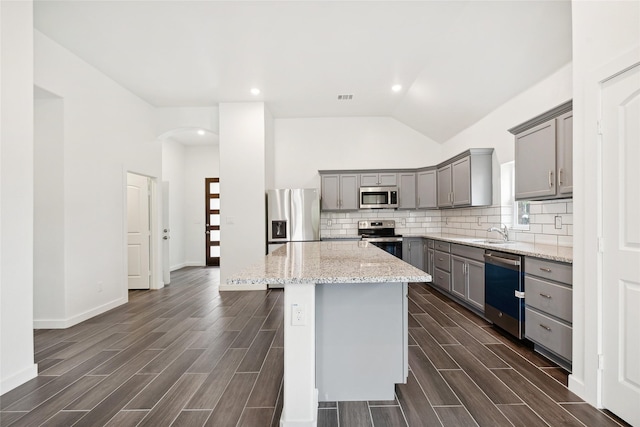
x: 188, y: 355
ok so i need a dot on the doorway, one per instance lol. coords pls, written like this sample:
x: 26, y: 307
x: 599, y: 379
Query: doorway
x: 138, y: 231
x: 212, y: 221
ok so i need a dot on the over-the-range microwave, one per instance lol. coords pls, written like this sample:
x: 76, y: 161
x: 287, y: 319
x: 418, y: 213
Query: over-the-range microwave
x: 378, y: 197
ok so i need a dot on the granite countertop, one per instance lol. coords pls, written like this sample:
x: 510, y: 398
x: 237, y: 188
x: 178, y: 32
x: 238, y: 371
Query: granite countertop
x: 329, y: 262
x: 550, y: 252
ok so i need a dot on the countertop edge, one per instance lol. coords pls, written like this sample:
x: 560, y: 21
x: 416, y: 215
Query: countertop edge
x: 530, y: 249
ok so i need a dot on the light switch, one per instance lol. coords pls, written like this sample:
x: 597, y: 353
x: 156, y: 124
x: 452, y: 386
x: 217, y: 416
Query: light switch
x: 558, y: 222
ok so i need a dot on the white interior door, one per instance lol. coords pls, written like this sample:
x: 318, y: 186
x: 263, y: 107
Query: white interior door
x: 138, y: 232
x: 620, y: 124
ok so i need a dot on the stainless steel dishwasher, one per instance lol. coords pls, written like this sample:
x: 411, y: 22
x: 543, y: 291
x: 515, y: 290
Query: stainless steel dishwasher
x: 504, y: 291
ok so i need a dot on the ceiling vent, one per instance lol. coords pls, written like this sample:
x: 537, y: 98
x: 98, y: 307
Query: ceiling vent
x: 345, y: 97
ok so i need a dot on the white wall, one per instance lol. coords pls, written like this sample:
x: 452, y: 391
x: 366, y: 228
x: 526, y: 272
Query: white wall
x: 492, y: 130
x: 242, y: 187
x: 173, y: 172
x: 16, y: 194
x: 107, y: 132
x: 304, y: 146
x: 200, y: 162
x: 602, y: 32
x: 49, y: 253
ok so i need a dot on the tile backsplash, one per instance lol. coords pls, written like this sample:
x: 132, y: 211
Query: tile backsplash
x: 472, y: 222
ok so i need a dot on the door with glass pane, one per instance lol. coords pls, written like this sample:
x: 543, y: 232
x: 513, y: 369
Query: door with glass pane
x: 212, y: 221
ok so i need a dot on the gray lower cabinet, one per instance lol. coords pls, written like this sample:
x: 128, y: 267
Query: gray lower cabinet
x: 549, y: 311
x: 339, y: 192
x: 407, y: 190
x: 442, y: 265
x: 467, y: 275
x: 413, y: 251
x: 429, y: 254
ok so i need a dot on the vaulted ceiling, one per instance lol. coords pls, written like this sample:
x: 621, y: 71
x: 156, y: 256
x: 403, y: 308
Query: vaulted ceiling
x: 456, y: 60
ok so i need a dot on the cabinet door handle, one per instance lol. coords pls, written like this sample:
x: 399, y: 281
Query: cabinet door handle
x: 550, y: 179
x: 545, y: 327
x: 546, y: 270
x: 560, y: 176
x: 545, y: 295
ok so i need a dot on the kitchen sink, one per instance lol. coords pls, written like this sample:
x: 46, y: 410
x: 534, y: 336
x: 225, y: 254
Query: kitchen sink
x: 493, y: 242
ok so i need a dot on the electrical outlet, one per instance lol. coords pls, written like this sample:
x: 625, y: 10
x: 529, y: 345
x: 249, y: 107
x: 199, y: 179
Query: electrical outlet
x: 478, y: 218
x: 329, y: 222
x: 298, y: 315
x: 558, y: 222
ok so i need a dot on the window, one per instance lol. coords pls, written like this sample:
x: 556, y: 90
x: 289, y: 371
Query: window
x: 515, y: 213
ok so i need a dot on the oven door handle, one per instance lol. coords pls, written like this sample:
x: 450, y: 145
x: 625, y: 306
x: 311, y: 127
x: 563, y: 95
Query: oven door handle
x: 493, y: 259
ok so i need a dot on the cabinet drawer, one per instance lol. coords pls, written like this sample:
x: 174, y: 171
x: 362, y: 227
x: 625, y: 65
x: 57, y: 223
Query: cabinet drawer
x: 442, y: 279
x: 443, y: 246
x: 430, y: 244
x: 548, y: 269
x: 548, y: 297
x: 442, y: 261
x: 468, y: 252
x: 549, y: 333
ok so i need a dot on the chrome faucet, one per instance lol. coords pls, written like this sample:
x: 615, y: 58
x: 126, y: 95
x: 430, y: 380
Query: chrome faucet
x: 503, y: 231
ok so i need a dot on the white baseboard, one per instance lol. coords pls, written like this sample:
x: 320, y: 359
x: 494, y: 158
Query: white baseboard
x: 19, y: 378
x: 177, y: 266
x: 223, y: 288
x: 186, y: 264
x: 577, y: 387
x: 74, y: 320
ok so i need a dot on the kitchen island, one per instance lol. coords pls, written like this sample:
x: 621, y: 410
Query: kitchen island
x: 345, y: 322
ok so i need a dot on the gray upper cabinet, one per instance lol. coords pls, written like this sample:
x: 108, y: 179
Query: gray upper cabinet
x: 535, y: 156
x: 381, y: 178
x: 462, y: 181
x: 461, y: 173
x: 339, y: 192
x: 427, y: 190
x: 445, y: 187
x: 407, y: 190
x: 543, y: 155
x: 330, y: 194
x: 565, y: 154
x: 466, y: 180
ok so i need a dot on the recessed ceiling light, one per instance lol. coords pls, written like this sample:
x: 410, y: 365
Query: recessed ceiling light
x: 201, y: 132
x: 396, y: 88
x: 255, y: 91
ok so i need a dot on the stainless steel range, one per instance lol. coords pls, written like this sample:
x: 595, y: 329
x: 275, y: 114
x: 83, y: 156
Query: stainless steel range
x: 382, y: 234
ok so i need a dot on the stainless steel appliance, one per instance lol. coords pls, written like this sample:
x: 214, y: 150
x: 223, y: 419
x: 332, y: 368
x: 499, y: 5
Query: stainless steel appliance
x: 293, y: 215
x: 378, y: 197
x: 504, y: 291
x: 382, y: 234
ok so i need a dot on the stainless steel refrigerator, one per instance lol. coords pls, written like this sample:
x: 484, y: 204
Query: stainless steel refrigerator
x: 293, y: 215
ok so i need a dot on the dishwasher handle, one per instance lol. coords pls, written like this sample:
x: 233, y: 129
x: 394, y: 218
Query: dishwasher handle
x: 498, y: 260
